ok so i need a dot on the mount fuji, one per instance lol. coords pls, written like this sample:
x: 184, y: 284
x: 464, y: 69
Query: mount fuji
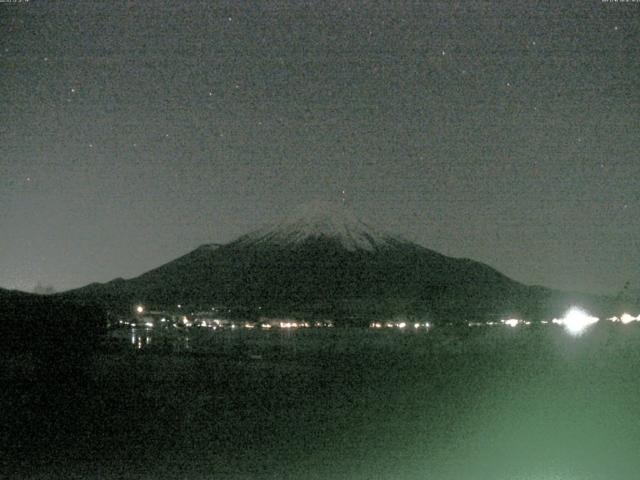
x: 322, y: 261
x: 322, y: 220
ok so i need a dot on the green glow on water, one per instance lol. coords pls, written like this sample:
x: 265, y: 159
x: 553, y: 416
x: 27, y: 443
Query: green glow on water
x: 451, y: 404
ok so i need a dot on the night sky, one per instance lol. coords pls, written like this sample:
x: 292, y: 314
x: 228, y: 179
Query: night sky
x: 506, y: 132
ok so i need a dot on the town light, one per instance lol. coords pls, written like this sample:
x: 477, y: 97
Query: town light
x: 626, y: 318
x: 576, y: 321
x: 139, y: 309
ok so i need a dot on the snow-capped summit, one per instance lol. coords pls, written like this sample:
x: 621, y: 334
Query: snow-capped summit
x: 322, y: 261
x: 323, y: 220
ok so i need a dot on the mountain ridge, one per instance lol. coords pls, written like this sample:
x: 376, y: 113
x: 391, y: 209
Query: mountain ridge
x: 323, y: 261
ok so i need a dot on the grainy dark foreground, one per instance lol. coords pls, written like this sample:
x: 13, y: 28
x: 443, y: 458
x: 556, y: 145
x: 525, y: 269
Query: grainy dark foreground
x: 451, y: 403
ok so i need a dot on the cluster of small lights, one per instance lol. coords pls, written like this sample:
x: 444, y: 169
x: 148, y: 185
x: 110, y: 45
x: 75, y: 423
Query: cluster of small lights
x: 625, y: 318
x: 479, y: 324
x: 151, y: 319
x: 511, y: 322
x: 294, y: 324
x: 575, y: 321
x: 400, y: 325
x: 288, y: 324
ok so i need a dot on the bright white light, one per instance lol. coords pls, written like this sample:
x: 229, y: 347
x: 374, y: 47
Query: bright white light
x: 512, y: 322
x: 402, y: 325
x: 140, y: 309
x: 626, y: 318
x: 576, y: 321
x: 149, y: 324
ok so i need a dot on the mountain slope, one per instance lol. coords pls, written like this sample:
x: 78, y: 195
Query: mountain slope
x: 322, y: 260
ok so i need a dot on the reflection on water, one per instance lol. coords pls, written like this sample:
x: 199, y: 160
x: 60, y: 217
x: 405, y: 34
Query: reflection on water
x: 505, y: 402
x: 511, y: 402
x: 148, y: 338
x: 141, y: 337
x: 201, y: 339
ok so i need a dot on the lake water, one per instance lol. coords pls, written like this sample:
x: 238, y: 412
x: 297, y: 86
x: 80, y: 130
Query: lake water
x: 530, y: 403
